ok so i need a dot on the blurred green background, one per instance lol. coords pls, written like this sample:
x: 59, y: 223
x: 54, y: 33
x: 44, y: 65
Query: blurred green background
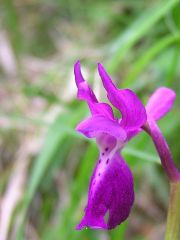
x: 45, y: 166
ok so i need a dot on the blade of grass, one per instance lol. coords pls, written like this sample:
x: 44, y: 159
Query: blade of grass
x: 79, y: 188
x: 13, y: 25
x: 148, y: 56
x: 119, y: 232
x: 52, y: 143
x: 173, y: 66
x: 141, y: 155
x: 137, y: 30
x: 68, y: 217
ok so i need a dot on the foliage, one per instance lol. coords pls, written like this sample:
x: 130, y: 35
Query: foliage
x: 138, y: 42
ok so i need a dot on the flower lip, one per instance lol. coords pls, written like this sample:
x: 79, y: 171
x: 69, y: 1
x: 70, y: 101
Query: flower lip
x: 112, y: 193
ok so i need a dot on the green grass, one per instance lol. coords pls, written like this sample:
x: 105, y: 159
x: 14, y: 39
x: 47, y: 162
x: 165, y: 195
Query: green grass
x: 139, y: 44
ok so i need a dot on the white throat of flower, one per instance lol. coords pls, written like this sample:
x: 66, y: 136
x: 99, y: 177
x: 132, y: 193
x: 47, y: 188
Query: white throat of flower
x: 119, y: 145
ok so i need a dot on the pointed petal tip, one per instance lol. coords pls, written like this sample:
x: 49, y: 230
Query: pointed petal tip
x: 77, y: 73
x: 77, y: 62
x: 99, y: 65
x: 101, y: 69
x: 77, y: 66
x: 106, y: 80
x: 79, y: 227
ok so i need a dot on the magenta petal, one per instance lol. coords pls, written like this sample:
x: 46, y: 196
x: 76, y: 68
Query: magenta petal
x: 85, y: 93
x: 102, y: 109
x: 126, y: 101
x: 160, y: 102
x: 110, y: 192
x: 98, y: 124
x: 77, y: 73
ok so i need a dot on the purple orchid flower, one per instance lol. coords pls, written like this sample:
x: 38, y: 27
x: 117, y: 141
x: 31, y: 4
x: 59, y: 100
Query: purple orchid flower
x: 111, y: 188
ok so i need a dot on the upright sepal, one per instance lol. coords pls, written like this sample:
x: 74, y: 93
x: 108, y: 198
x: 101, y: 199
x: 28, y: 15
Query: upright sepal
x: 84, y: 90
x: 126, y: 101
x: 86, y: 93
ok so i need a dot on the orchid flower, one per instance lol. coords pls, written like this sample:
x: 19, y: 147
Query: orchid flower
x: 111, y: 188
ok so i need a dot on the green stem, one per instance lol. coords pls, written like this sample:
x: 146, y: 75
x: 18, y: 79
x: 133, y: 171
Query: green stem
x: 173, y: 218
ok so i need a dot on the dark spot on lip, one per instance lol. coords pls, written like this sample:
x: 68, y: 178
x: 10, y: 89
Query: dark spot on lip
x: 99, y: 160
x: 107, y: 161
x: 106, y: 149
x: 99, y: 174
x: 103, y: 153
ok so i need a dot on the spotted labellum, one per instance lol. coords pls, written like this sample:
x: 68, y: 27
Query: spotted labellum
x: 111, y: 188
